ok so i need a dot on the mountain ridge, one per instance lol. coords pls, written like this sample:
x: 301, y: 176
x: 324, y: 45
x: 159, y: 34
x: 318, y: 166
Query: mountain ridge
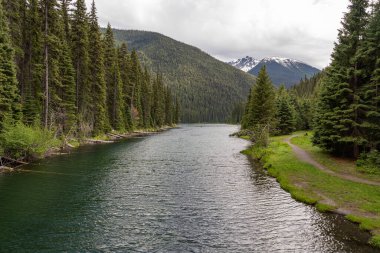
x: 281, y: 70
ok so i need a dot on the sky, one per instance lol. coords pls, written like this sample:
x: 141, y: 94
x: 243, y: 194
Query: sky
x: 229, y: 29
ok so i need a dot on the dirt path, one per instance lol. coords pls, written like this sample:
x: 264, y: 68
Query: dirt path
x: 303, y: 155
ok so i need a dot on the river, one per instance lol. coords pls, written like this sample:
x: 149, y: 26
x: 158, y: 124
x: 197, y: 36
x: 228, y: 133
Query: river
x: 184, y: 190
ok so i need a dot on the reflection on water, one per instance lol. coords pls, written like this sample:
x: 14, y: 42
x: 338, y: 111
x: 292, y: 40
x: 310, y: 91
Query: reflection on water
x: 185, y: 190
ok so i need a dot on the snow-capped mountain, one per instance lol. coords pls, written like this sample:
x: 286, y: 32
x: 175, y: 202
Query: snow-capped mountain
x: 281, y: 70
x: 246, y: 64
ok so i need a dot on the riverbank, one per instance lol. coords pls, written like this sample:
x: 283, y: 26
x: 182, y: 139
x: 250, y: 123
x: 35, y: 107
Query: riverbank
x: 358, y: 202
x: 63, y: 147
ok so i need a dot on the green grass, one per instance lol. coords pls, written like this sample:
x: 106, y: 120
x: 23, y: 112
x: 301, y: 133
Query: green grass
x: 337, y: 164
x: 365, y: 223
x: 375, y: 241
x: 312, y: 186
x: 324, y: 207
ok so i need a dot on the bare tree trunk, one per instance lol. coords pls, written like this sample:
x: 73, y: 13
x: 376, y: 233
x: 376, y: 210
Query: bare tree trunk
x: 46, y: 111
x: 77, y: 87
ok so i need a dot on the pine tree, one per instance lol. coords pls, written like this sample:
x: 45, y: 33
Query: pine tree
x: 15, y: 12
x: 9, y: 93
x: 59, y: 99
x: 261, y: 107
x: 33, y: 65
x: 115, y: 102
x: 176, y: 112
x: 80, y: 49
x: 146, y: 99
x: 97, y: 76
x: 65, y: 6
x: 158, y: 104
x: 135, y: 79
x: 124, y: 62
x: 285, y: 114
x: 168, y: 107
x: 340, y: 109
x: 369, y: 57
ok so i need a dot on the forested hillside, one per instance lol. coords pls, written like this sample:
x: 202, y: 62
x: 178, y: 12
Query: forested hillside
x: 60, y: 75
x: 206, y: 88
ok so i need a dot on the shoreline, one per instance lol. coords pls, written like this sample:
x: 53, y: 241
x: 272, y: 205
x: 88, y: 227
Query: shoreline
x: 65, y: 150
x: 297, y: 177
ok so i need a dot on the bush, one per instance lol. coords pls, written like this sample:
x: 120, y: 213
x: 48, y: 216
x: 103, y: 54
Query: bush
x: 369, y: 162
x: 21, y: 141
x: 243, y: 132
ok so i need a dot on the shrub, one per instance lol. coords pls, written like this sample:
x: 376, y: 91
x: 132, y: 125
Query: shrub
x: 21, y: 141
x: 369, y: 162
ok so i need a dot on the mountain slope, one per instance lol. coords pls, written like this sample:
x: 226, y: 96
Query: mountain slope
x: 285, y: 71
x: 207, y: 89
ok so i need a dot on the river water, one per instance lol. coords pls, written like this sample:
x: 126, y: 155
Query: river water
x: 184, y: 190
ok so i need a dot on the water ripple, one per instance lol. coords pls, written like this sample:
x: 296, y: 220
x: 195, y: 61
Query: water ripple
x: 185, y: 190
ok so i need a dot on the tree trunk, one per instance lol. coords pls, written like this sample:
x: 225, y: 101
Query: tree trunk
x: 46, y: 111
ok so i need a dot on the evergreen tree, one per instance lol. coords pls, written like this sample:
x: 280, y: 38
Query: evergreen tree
x: 15, y: 13
x: 146, y: 99
x: 369, y: 57
x: 176, y: 112
x: 285, y: 114
x: 65, y: 6
x: 59, y: 99
x: 114, y: 84
x: 80, y: 49
x: 135, y: 79
x: 158, y: 106
x: 69, y: 76
x: 261, y: 107
x: 168, y: 107
x: 33, y: 65
x: 97, y: 76
x: 124, y: 68
x: 340, y: 108
x: 9, y: 94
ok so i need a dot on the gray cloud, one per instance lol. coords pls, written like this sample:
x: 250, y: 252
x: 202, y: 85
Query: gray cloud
x: 228, y: 29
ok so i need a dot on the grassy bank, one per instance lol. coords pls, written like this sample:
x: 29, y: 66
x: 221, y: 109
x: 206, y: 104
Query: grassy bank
x: 359, y: 202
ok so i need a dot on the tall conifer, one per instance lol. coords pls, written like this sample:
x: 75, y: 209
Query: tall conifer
x: 340, y: 108
x: 261, y: 106
x: 97, y: 76
x: 114, y: 84
x: 80, y: 49
x: 33, y: 64
x: 9, y: 93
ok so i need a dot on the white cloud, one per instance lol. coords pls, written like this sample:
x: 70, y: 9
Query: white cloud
x: 227, y: 29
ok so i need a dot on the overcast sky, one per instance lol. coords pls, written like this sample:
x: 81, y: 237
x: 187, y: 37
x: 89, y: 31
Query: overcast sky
x: 229, y: 29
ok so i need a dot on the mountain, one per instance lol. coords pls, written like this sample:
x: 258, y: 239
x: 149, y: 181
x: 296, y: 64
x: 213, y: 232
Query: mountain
x: 246, y: 64
x: 207, y: 88
x: 281, y: 70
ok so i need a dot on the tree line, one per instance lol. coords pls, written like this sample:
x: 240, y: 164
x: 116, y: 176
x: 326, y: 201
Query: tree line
x: 340, y: 104
x: 58, y: 71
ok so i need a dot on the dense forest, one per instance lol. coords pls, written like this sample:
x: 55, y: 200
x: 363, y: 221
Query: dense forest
x: 61, y: 77
x: 340, y: 104
x: 207, y: 88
